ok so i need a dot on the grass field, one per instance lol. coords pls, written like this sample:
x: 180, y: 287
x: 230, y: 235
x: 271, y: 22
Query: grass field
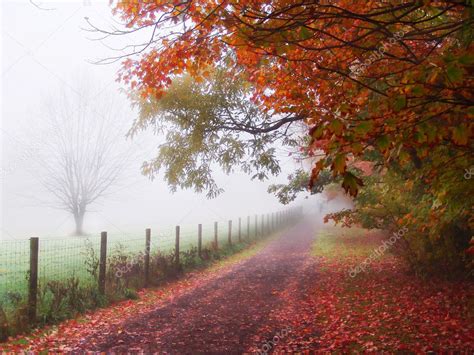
x: 63, y: 257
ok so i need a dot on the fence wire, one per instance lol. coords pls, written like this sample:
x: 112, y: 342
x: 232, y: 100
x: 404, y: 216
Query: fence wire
x: 14, y: 267
x: 63, y: 258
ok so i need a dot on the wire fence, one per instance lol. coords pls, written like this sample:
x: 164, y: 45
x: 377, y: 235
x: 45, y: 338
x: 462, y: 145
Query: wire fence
x: 62, y: 258
x: 14, y: 267
x: 25, y: 266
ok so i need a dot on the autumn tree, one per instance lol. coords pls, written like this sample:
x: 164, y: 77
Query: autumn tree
x: 213, y: 123
x: 393, y: 76
x: 298, y: 184
x: 392, y: 80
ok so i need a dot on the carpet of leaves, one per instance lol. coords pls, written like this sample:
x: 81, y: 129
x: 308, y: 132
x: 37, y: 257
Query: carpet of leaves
x: 384, y: 308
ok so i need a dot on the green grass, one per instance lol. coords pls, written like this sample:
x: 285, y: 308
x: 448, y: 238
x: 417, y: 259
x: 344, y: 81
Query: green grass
x: 336, y: 243
x: 61, y: 258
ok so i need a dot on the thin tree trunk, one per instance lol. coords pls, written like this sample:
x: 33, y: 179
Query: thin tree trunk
x: 79, y: 219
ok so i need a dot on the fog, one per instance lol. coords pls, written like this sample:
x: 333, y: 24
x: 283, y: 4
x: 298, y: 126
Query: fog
x: 46, y: 51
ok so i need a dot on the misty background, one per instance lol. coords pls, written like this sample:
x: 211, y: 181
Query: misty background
x: 46, y: 51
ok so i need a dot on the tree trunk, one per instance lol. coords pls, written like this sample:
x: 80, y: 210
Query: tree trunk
x: 79, y: 219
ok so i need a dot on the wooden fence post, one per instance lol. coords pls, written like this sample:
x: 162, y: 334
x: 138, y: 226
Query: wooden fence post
x: 240, y: 229
x: 199, y: 239
x: 176, y: 247
x: 216, y: 236
x: 147, y: 256
x: 102, y: 262
x: 230, y: 233
x: 33, y: 279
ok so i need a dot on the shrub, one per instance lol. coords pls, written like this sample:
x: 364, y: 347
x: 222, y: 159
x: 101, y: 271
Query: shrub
x: 438, y: 224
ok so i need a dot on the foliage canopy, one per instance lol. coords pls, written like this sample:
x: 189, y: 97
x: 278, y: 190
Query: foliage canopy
x: 385, y: 81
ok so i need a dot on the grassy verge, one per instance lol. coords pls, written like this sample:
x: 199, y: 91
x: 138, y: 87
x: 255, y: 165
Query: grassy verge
x: 346, y: 243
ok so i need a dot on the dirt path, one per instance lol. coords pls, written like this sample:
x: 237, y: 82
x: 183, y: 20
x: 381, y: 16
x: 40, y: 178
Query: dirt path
x: 229, y: 314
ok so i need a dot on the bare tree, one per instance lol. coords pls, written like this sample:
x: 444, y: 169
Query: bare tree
x: 83, y: 155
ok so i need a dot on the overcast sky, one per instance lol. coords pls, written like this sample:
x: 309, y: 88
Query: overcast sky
x: 45, y: 49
